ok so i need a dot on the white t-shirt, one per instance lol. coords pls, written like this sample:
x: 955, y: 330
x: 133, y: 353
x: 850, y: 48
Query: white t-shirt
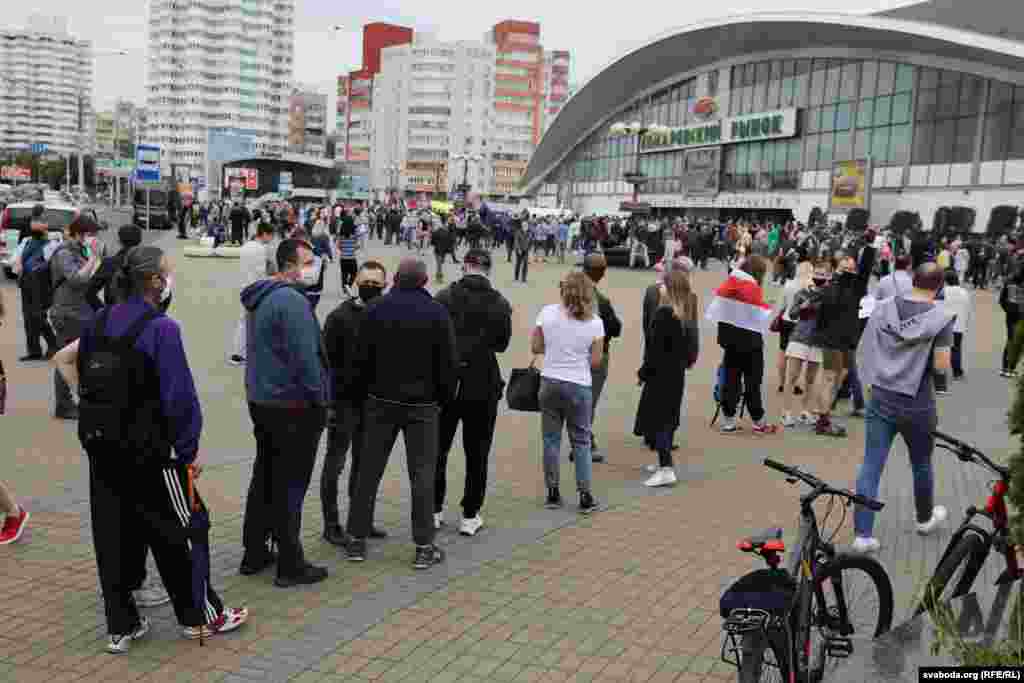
x: 567, y: 344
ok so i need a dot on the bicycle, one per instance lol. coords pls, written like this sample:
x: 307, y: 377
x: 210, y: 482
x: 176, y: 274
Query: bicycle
x: 785, y: 625
x: 971, y: 544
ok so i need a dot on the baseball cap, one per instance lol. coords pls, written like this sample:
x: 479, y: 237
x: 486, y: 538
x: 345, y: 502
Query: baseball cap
x: 479, y: 258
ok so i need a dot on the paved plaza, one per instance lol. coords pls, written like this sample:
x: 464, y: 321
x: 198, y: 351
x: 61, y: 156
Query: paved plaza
x: 630, y: 594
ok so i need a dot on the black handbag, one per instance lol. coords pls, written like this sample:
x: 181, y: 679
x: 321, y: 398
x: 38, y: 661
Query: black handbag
x: 523, y: 392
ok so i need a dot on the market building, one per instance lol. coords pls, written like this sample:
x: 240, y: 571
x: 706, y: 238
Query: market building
x: 770, y: 115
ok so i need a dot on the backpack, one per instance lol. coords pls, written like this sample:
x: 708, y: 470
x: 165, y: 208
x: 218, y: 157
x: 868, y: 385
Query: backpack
x: 119, y: 408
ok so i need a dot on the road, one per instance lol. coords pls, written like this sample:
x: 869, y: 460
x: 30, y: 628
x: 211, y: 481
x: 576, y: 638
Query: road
x: 630, y: 594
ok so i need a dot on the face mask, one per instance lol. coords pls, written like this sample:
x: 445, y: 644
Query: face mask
x: 369, y: 292
x: 168, y: 288
x: 309, y: 276
x: 820, y: 281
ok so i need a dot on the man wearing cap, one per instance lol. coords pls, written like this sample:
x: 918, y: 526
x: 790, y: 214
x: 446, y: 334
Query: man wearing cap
x: 595, y: 266
x: 483, y: 327
x: 71, y: 268
x: 105, y: 279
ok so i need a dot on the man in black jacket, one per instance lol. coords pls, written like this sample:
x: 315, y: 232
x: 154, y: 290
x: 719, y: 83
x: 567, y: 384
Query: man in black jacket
x: 483, y: 327
x: 106, y: 278
x: 595, y: 266
x: 839, y: 328
x: 341, y: 330
x: 404, y: 373
x: 239, y: 218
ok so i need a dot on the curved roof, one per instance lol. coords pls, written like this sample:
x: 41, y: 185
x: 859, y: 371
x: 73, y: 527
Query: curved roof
x: 672, y: 55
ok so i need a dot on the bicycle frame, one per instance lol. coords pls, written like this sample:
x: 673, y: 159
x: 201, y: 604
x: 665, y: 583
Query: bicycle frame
x: 998, y: 538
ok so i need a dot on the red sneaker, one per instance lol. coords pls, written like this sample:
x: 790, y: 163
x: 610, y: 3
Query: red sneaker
x: 765, y: 428
x: 14, y: 527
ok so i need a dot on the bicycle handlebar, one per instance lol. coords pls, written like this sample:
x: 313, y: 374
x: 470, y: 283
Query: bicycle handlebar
x: 968, y: 453
x: 822, y: 487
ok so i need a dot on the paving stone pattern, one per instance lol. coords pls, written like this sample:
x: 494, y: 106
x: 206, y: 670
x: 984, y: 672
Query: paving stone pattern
x: 629, y: 594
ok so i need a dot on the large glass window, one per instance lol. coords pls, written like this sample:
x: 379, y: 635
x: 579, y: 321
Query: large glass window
x: 951, y: 102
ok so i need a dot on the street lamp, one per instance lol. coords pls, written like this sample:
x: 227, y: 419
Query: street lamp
x: 636, y: 178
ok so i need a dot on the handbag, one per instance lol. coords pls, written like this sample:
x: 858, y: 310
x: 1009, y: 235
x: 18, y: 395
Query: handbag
x: 523, y: 391
x: 776, y: 325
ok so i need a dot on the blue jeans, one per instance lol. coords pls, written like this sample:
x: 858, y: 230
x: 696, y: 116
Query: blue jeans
x: 880, y: 430
x: 569, y: 404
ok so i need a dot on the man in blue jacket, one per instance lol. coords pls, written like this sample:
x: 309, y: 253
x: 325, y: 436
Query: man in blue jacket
x: 286, y: 385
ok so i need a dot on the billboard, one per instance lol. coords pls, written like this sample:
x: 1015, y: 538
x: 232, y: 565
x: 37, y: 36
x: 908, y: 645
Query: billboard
x: 851, y: 186
x: 147, y: 163
x: 700, y: 171
x: 248, y: 178
x: 284, y: 182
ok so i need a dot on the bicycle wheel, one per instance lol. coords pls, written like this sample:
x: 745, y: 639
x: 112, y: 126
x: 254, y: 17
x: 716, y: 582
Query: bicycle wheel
x: 958, y: 571
x: 852, y: 604
x: 763, y: 658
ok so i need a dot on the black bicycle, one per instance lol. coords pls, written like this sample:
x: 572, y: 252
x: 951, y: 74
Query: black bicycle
x: 787, y: 625
x: 971, y: 544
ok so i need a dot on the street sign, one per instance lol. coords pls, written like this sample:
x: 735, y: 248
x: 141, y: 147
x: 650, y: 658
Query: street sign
x: 40, y: 147
x: 147, y: 163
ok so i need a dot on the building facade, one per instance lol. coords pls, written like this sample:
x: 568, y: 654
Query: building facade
x: 307, y: 123
x: 46, y: 84
x: 423, y: 115
x: 227, y: 65
x: 116, y: 131
x: 888, y: 112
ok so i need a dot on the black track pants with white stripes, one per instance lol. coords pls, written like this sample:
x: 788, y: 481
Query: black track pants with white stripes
x: 132, y: 507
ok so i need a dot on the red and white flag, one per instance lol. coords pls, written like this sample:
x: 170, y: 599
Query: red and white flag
x: 739, y: 301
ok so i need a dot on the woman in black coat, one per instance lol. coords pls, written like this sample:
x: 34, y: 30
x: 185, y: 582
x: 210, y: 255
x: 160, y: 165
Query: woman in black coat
x: 672, y: 348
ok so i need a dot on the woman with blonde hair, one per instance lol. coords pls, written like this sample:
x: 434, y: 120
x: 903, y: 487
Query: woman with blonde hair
x: 672, y: 349
x: 570, y: 336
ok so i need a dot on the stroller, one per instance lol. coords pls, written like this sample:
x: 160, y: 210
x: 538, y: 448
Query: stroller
x: 719, y: 392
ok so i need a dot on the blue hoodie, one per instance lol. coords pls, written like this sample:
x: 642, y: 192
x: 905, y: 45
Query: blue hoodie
x: 285, y: 362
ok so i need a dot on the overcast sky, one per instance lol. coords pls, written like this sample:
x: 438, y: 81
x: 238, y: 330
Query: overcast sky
x: 594, y: 37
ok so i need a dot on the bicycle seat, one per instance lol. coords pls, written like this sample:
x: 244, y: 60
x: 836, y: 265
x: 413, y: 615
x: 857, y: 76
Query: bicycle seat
x: 769, y: 539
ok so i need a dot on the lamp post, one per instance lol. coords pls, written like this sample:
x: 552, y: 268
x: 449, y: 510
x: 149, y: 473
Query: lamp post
x: 81, y: 123
x: 636, y: 178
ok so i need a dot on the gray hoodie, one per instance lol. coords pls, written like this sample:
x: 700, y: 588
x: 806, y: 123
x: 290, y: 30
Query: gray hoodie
x: 895, y: 351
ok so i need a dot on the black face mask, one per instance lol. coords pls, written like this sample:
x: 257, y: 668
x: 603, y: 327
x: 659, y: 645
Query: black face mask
x: 820, y: 282
x: 369, y: 292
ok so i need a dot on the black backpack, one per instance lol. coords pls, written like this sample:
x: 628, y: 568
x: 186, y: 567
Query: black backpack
x: 119, y: 391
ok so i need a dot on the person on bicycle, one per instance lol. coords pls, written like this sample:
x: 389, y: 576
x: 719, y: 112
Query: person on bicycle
x: 905, y: 341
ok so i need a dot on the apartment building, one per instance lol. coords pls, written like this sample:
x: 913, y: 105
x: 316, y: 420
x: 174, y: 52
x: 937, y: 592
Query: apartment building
x: 46, y: 84
x: 116, y: 131
x: 422, y: 106
x: 307, y: 122
x: 218, y: 65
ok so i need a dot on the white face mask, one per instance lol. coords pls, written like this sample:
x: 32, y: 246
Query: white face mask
x: 309, y: 276
x: 168, y: 288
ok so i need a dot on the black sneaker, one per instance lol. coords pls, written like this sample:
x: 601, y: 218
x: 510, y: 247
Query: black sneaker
x: 306, y: 576
x: 588, y: 503
x: 797, y: 391
x: 356, y: 549
x: 236, y: 360
x: 31, y: 358
x: 376, y: 532
x: 427, y: 556
x: 255, y: 562
x: 554, y: 500
x: 69, y: 414
x: 335, y: 535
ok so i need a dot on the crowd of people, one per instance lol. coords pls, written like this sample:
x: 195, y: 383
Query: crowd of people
x: 122, y: 371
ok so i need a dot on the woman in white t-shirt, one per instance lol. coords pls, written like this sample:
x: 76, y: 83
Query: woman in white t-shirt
x: 571, y: 337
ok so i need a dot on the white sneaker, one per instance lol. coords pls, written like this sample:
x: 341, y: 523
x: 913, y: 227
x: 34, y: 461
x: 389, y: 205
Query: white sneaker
x: 230, y: 619
x: 806, y: 418
x: 438, y: 520
x: 471, y: 525
x: 118, y: 645
x: 651, y: 469
x: 788, y: 421
x: 865, y: 545
x: 152, y: 595
x: 939, y: 515
x: 665, y: 476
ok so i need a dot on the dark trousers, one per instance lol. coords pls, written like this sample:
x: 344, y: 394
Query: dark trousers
x: 1011, y: 326
x: 478, y: 419
x: 286, y: 444
x: 419, y: 426
x: 522, y: 264
x: 744, y: 368
x: 349, y: 270
x: 958, y: 345
x: 510, y: 247
x: 348, y: 431
x: 36, y: 324
x: 237, y: 233
x: 182, y: 220
x: 67, y: 330
x: 980, y: 275
x: 663, y: 445
x: 135, y: 507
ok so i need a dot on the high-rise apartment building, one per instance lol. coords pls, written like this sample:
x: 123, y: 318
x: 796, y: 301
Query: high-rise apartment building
x: 225, y: 65
x: 307, y: 122
x: 425, y: 114
x: 116, y: 131
x: 46, y: 85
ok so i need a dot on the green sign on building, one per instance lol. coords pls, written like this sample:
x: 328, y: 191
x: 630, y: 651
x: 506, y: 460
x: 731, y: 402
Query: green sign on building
x: 746, y: 128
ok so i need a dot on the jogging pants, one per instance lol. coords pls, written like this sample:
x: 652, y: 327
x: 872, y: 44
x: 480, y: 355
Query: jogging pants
x: 743, y: 369
x: 349, y: 270
x: 478, y: 419
x: 136, y: 506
